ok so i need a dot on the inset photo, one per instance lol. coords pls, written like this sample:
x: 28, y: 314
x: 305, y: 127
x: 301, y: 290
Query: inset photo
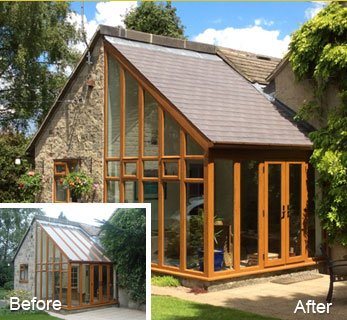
x: 61, y: 259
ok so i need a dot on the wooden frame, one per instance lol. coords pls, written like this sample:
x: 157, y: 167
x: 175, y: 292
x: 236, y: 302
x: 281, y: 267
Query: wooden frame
x: 61, y: 267
x: 237, y: 153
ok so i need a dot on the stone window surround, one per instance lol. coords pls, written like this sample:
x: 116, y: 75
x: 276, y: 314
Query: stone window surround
x: 23, y: 273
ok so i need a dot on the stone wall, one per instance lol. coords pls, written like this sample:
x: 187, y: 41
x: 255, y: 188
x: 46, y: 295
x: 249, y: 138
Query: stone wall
x: 295, y: 93
x: 26, y: 255
x: 76, y: 129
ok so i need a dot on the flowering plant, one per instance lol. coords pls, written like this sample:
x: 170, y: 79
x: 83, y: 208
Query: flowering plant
x: 78, y: 182
x: 30, y: 184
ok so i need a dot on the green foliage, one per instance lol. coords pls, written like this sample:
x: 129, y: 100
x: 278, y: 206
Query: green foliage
x: 6, y: 273
x: 318, y: 51
x: 30, y: 184
x: 124, y: 239
x: 78, y: 182
x: 165, y: 281
x: 8, y: 285
x: 12, y: 145
x: 156, y: 18
x: 14, y: 222
x: 36, y: 48
x: 164, y: 308
x: 21, y: 294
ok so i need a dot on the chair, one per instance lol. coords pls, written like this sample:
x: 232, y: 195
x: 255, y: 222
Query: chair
x: 337, y: 271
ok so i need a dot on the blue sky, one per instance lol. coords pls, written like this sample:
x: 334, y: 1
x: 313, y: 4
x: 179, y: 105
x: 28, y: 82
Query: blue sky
x: 261, y: 27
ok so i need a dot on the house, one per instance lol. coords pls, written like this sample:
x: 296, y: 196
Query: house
x: 192, y: 129
x: 62, y: 260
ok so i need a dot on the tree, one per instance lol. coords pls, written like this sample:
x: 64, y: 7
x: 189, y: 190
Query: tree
x: 318, y: 51
x: 156, y: 18
x: 12, y: 146
x: 62, y: 216
x: 36, y: 49
x: 124, y: 239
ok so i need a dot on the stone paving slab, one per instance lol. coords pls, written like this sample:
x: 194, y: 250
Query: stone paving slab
x: 104, y: 314
x: 271, y: 299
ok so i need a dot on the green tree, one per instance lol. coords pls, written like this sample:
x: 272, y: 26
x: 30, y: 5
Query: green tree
x: 62, y: 216
x: 318, y: 51
x: 124, y: 239
x: 12, y: 146
x: 156, y: 18
x: 36, y: 49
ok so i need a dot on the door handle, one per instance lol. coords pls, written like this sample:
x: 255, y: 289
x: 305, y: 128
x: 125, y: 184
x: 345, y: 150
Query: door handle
x: 283, y: 211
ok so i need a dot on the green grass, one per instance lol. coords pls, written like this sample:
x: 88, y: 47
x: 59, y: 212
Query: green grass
x: 169, y: 308
x: 165, y: 281
x: 6, y: 314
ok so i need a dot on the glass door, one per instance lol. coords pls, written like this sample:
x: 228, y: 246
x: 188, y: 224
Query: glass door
x: 284, y: 207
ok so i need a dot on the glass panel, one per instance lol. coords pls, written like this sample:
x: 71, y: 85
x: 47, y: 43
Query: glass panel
x: 112, y: 188
x: 75, y: 285
x: 56, y: 286
x: 86, y: 284
x: 224, y: 212
x: 131, y: 116
x: 150, y: 126
x: 172, y: 223
x: 295, y: 191
x: 151, y: 196
x: 38, y: 244
x: 73, y: 165
x: 50, y: 285
x: 96, y: 284
x: 44, y: 247
x: 104, y: 283
x: 131, y: 191
x: 274, y: 211
x: 150, y: 168
x: 113, y: 107
x: 192, y: 147
x: 60, y: 191
x: 195, y: 226
x: 38, y: 284
x: 113, y: 168
x: 249, y: 213
x: 64, y: 286
x: 171, y: 168
x: 43, y: 284
x: 130, y: 168
x: 57, y: 255
x: 50, y: 251
x: 64, y: 266
x: 60, y: 168
x: 171, y: 136
x: 195, y: 168
x: 314, y: 234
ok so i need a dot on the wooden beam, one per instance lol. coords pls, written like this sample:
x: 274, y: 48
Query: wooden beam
x: 183, y: 205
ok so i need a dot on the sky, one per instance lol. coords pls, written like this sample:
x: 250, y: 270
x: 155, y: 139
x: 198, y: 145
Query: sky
x: 260, y: 27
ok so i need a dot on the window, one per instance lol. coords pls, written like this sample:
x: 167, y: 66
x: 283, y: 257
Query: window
x: 74, y: 276
x: 23, y: 273
x: 61, y: 169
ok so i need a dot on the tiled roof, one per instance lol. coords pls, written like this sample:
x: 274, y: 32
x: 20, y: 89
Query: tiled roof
x: 254, y: 67
x: 224, y: 106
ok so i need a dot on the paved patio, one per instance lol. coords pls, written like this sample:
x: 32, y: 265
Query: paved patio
x: 271, y: 299
x: 104, y: 314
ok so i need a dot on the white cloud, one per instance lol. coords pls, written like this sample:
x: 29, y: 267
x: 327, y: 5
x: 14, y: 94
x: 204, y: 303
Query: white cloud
x: 108, y: 13
x: 253, y: 39
x: 312, y: 11
x: 264, y: 22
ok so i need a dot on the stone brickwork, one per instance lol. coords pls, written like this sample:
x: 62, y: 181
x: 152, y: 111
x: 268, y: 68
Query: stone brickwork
x: 76, y: 129
x: 26, y: 255
x: 295, y: 93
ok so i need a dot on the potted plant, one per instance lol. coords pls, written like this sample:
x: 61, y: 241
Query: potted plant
x: 79, y: 184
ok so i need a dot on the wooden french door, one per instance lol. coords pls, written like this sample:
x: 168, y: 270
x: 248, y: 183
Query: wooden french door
x: 285, y: 201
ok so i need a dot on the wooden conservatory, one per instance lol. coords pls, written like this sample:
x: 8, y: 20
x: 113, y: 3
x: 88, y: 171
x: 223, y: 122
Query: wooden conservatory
x: 225, y: 169
x: 71, y: 267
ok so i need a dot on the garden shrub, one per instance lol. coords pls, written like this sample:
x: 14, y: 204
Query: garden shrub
x: 8, y: 285
x: 124, y: 239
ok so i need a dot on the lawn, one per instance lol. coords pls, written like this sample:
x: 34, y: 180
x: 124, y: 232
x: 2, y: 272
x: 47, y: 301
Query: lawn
x: 170, y: 308
x: 6, y: 314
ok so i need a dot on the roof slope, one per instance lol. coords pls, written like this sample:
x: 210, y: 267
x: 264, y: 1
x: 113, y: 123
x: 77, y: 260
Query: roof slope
x: 224, y: 106
x: 255, y: 67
